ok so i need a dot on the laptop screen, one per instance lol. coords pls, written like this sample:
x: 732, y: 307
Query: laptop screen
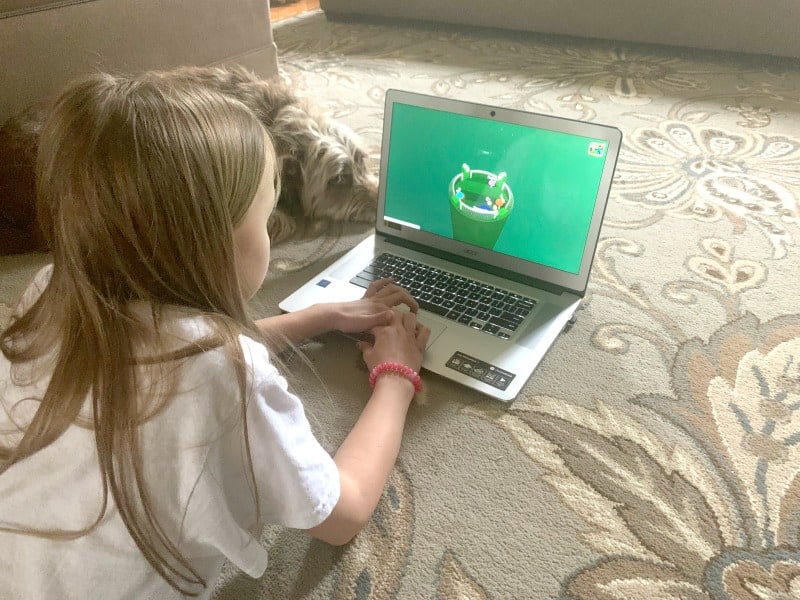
x: 526, y: 192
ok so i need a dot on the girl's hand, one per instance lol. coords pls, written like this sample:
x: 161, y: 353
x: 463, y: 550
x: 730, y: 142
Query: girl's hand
x: 403, y: 340
x: 374, y: 309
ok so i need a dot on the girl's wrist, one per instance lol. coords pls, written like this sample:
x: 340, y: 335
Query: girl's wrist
x: 394, y: 388
x: 395, y: 369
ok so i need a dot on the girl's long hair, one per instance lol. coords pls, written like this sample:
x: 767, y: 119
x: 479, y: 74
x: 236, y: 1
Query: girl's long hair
x: 140, y: 182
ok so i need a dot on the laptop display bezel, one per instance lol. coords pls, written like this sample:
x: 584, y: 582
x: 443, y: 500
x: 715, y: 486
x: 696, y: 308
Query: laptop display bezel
x: 486, y: 259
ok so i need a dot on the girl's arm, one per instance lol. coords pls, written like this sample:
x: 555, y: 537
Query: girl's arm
x: 366, y: 457
x: 292, y: 328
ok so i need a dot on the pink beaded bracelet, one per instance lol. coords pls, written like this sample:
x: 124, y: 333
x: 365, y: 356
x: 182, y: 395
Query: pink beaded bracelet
x: 400, y: 369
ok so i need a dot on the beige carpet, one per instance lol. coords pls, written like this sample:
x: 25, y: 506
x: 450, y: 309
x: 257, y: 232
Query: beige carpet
x: 655, y: 452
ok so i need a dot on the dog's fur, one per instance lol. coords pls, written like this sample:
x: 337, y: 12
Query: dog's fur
x: 325, y: 172
x: 18, y: 142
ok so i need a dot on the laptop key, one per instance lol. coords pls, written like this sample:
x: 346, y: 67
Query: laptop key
x: 360, y: 281
x: 431, y: 307
x: 510, y: 325
x: 512, y: 317
x: 491, y: 328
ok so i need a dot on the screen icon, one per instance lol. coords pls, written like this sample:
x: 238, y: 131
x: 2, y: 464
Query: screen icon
x: 597, y: 149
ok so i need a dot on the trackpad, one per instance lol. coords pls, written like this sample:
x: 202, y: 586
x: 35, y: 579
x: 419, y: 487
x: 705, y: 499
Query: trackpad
x: 435, y: 325
x: 432, y: 322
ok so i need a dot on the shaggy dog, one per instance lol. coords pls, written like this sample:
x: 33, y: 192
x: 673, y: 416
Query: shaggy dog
x: 324, y: 167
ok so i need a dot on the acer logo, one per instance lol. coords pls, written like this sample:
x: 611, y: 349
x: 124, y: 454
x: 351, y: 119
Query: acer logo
x: 471, y: 252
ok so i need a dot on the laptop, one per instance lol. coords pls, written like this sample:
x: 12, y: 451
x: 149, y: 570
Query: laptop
x: 490, y: 217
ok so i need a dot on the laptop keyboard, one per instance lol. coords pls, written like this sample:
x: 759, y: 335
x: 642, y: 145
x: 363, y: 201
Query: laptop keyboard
x: 472, y: 303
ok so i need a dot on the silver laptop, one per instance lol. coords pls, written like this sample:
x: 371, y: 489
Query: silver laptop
x: 490, y: 217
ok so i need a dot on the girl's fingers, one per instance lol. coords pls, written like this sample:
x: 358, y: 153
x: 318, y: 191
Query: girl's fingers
x: 390, y: 293
x: 410, y: 321
x: 399, y: 296
x: 423, y: 335
x: 377, y: 285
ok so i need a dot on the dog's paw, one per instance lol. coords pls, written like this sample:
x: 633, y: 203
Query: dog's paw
x: 280, y: 226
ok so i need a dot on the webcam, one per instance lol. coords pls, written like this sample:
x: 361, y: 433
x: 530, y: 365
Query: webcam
x: 492, y: 113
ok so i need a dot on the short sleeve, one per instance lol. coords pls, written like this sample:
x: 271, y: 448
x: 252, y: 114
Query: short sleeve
x: 34, y: 289
x: 296, y: 478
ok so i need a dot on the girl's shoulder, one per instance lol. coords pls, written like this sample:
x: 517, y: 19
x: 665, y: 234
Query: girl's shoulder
x: 198, y: 346
x: 201, y: 387
x: 187, y: 327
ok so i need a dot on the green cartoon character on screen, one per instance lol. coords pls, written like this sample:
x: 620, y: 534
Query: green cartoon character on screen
x: 480, y: 204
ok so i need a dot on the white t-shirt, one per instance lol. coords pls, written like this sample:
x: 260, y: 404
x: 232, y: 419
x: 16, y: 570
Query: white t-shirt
x: 194, y: 464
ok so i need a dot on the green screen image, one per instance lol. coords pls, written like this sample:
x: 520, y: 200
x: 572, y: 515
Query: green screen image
x: 480, y: 204
x: 546, y: 183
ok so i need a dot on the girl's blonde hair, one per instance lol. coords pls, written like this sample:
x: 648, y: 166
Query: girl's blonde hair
x: 140, y: 182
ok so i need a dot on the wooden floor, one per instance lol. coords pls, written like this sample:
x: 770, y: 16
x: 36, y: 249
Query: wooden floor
x: 278, y: 13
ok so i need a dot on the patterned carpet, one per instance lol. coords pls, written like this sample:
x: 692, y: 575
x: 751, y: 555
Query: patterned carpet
x: 655, y: 453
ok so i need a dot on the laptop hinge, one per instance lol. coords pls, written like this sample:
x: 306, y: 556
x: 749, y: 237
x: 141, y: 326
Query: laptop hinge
x: 491, y: 270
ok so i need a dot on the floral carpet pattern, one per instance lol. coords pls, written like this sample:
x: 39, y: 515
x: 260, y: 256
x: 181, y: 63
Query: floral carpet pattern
x: 655, y: 453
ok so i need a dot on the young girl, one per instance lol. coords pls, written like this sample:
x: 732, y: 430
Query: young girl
x: 145, y: 436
